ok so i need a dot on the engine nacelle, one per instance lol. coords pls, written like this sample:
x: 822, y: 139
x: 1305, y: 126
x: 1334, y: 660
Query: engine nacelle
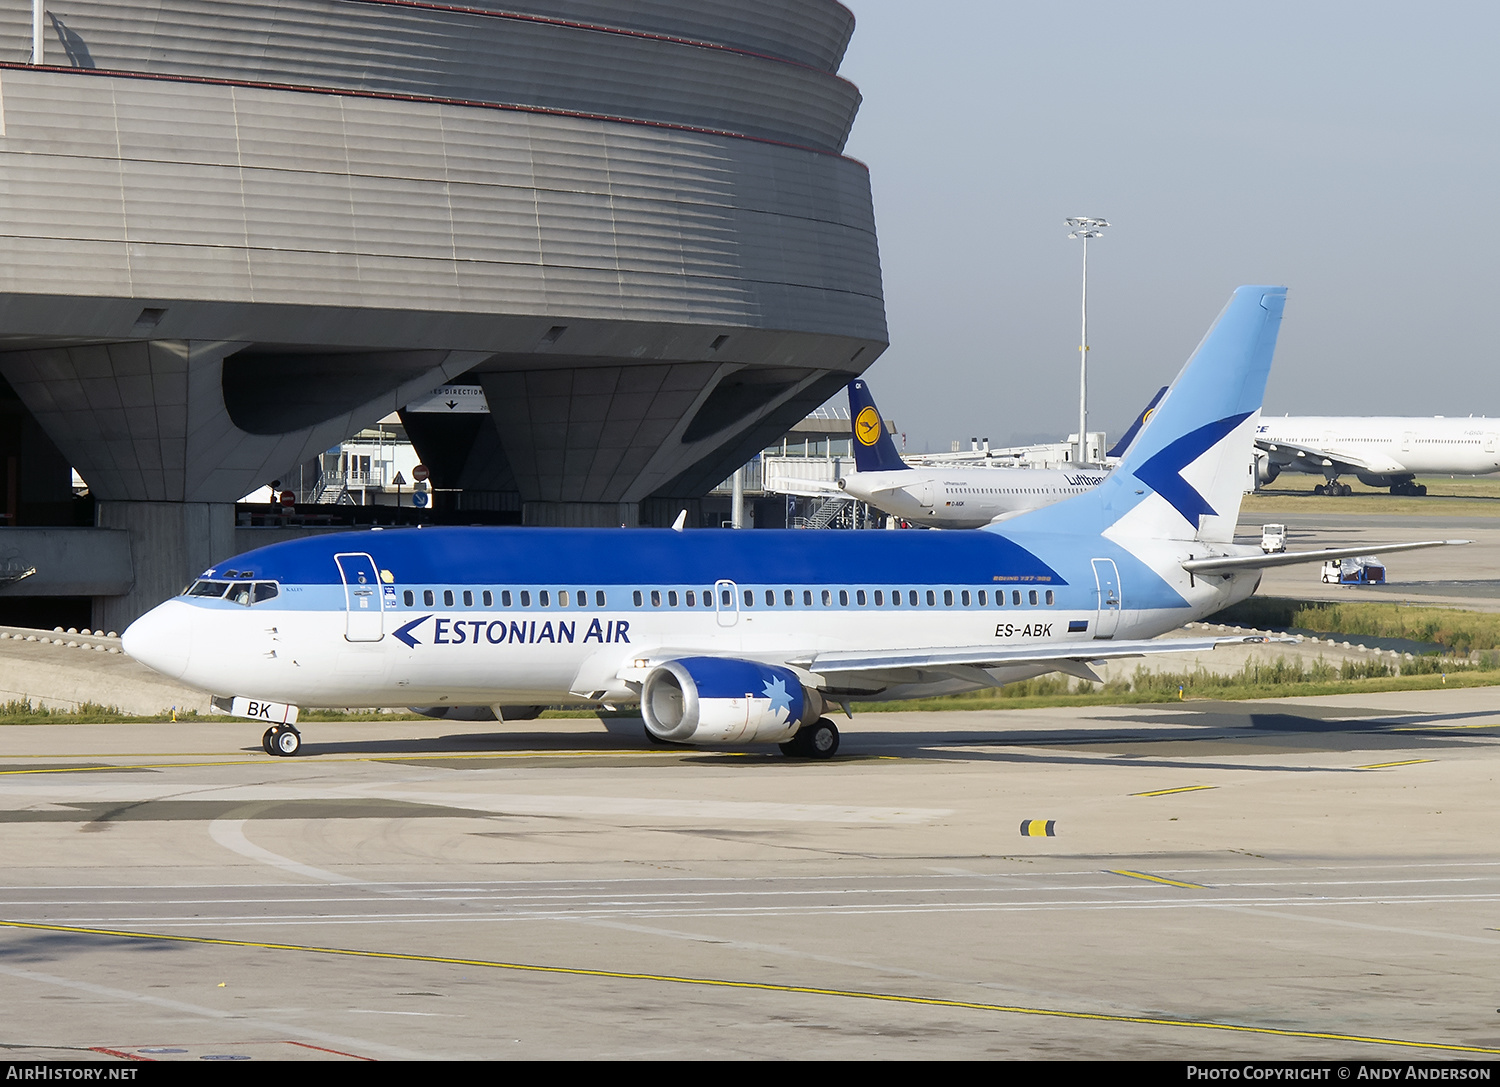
x: 718, y: 700
x: 1266, y: 470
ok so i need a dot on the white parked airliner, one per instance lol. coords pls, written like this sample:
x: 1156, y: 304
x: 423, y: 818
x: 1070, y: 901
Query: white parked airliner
x: 1380, y: 451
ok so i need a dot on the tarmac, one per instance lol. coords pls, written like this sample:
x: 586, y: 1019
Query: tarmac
x: 1298, y: 879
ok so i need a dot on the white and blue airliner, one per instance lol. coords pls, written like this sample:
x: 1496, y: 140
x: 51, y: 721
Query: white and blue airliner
x: 725, y: 637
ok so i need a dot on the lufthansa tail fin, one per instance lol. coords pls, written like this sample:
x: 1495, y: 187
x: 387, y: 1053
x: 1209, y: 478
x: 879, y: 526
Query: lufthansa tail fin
x: 1118, y: 449
x: 1184, y: 475
x: 873, y: 449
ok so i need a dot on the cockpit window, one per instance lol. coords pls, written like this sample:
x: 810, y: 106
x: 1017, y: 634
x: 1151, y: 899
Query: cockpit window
x: 239, y: 592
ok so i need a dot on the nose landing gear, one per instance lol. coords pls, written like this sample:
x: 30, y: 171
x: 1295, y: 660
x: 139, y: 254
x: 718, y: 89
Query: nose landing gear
x: 281, y: 740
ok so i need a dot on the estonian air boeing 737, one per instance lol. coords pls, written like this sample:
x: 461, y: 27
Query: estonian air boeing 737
x: 955, y: 496
x: 726, y: 637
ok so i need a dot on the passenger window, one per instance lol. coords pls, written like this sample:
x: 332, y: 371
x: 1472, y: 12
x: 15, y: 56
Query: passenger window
x: 749, y: 599
x: 843, y: 598
x: 879, y: 598
x: 827, y: 598
x: 983, y: 598
x: 525, y: 598
x: 859, y: 598
x: 789, y: 598
x: 489, y: 599
x: 656, y: 598
x: 544, y: 599
x: 1015, y: 597
x: 409, y: 598
x: 1031, y: 597
x: 583, y: 598
x: 636, y: 596
x: 267, y: 590
x: 505, y: 598
x: 931, y: 599
x: 562, y: 598
x: 770, y: 598
x: 692, y: 599
x: 427, y: 597
x: 599, y: 598
x: 468, y: 598
x: 911, y: 598
x: 726, y: 598
x: 807, y: 598
x: 1049, y: 597
x: 965, y: 598
x: 708, y: 598
x: 672, y: 598
x: 947, y: 598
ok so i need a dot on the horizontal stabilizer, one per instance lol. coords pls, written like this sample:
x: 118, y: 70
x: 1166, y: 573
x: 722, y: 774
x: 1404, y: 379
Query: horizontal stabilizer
x: 1230, y: 563
x: 1058, y: 654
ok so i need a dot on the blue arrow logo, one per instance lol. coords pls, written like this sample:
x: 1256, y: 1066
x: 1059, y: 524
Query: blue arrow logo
x: 407, y: 636
x: 1163, y: 472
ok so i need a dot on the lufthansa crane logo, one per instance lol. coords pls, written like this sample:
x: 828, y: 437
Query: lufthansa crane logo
x: 867, y: 425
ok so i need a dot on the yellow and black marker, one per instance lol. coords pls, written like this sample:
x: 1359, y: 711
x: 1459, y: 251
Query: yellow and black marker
x: 1039, y: 828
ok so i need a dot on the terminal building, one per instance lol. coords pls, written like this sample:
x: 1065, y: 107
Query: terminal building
x: 238, y: 233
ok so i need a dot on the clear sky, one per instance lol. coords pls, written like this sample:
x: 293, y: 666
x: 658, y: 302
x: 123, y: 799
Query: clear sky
x: 1347, y: 150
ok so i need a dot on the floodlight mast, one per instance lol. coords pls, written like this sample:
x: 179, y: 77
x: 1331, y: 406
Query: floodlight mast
x: 1085, y: 228
x: 37, y: 43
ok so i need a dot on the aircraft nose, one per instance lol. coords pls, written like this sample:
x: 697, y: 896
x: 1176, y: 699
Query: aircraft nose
x: 162, y: 638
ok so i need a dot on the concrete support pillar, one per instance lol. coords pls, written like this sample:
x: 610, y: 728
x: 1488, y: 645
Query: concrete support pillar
x: 171, y: 543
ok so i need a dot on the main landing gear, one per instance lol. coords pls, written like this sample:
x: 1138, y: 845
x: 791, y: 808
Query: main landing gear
x: 1412, y: 490
x: 281, y: 740
x: 1334, y: 489
x: 819, y: 740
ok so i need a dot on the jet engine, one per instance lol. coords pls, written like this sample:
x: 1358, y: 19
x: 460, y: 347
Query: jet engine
x: 1266, y: 470
x: 717, y: 700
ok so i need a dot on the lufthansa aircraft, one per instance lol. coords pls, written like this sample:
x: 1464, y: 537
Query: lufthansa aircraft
x: 728, y: 637
x: 955, y: 496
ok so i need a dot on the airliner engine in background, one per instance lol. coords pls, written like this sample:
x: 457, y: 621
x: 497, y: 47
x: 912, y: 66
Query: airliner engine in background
x: 726, y: 637
x: 1378, y: 451
x: 952, y: 496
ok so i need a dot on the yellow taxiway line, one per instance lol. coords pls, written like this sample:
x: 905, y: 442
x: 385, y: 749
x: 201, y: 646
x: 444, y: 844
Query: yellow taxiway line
x: 762, y: 986
x: 1183, y: 789
x: 1155, y: 879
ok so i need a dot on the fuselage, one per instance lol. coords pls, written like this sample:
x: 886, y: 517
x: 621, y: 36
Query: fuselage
x: 966, y: 497
x: 1391, y: 445
x: 476, y: 616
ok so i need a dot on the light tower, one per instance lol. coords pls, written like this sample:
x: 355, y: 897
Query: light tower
x: 1085, y: 228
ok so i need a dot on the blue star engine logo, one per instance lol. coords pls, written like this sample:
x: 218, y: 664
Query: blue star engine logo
x: 781, y: 699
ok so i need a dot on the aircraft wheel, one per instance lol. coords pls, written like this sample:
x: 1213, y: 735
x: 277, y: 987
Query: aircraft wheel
x: 1320, y: 489
x: 268, y: 741
x: 1421, y: 490
x: 796, y: 747
x: 288, y: 741
x: 1345, y: 490
x: 822, y: 739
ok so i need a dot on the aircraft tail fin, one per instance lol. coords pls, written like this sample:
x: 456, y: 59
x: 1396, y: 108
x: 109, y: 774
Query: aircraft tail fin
x: 873, y: 449
x: 1118, y: 449
x: 1184, y: 475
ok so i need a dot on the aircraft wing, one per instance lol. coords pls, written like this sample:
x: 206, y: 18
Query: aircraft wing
x: 1063, y: 656
x: 1226, y: 564
x: 1302, y: 456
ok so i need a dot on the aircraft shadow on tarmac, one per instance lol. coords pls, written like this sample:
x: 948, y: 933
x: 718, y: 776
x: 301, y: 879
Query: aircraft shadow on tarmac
x: 1178, y: 737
